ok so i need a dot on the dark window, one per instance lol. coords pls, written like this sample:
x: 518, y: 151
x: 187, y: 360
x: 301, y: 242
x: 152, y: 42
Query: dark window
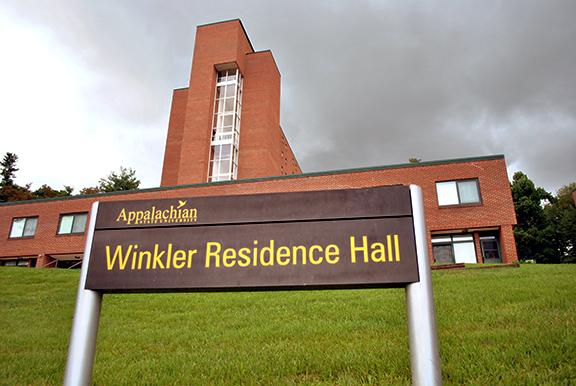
x: 17, y: 263
x: 490, y: 249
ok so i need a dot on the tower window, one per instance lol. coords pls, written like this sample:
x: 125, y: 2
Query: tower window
x: 223, y: 163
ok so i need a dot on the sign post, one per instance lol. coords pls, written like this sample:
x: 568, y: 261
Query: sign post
x: 85, y: 324
x: 356, y: 238
x: 424, y: 356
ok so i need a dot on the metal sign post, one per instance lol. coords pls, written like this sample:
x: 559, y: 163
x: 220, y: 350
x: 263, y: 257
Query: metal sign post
x: 424, y: 356
x: 355, y: 238
x: 85, y: 324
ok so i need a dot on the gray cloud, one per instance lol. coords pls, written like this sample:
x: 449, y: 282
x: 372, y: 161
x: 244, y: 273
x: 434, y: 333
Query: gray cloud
x: 364, y: 83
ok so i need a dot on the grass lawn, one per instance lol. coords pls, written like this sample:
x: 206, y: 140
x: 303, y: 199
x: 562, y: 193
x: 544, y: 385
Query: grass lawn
x: 496, y: 326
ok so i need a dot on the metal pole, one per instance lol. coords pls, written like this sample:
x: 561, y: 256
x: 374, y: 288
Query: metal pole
x: 424, y: 356
x: 85, y: 325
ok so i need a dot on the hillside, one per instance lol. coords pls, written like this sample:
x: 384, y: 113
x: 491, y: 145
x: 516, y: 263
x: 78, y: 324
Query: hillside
x: 496, y: 326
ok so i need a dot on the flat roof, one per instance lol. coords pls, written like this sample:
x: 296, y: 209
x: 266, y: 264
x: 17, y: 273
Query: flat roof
x: 250, y: 180
x: 228, y: 21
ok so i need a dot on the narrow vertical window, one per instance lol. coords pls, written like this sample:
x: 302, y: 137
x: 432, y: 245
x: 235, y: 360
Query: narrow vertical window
x: 223, y: 163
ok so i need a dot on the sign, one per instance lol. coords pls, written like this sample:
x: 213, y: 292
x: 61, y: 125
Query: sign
x: 373, y: 237
x: 324, y: 239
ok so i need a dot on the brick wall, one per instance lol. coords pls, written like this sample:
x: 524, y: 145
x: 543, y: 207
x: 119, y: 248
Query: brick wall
x: 496, y: 209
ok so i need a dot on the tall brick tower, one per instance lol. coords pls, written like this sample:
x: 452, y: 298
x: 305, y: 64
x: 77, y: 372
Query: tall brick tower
x: 226, y: 124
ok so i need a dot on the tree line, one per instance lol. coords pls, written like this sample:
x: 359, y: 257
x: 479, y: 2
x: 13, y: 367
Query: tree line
x: 124, y: 179
x: 546, y: 229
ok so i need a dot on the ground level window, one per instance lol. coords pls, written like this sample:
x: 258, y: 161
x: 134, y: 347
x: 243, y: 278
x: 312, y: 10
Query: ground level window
x: 72, y: 223
x: 454, y: 248
x: 490, y: 249
x: 18, y: 263
x: 23, y: 227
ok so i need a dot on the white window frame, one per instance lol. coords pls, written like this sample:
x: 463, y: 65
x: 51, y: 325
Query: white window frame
x: 229, y: 134
x: 442, y: 200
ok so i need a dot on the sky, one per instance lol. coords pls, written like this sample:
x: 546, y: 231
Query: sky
x: 85, y: 86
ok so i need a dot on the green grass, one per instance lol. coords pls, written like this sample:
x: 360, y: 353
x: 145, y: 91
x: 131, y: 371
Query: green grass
x: 496, y: 326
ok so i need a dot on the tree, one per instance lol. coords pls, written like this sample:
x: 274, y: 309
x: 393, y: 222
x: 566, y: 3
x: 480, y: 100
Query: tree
x: 15, y: 193
x: 561, y: 229
x: 46, y: 191
x: 414, y: 160
x: 125, y: 180
x: 9, y: 191
x: 90, y: 190
x: 532, y: 229
x: 9, y: 169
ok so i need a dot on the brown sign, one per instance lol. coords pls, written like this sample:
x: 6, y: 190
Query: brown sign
x: 325, y: 239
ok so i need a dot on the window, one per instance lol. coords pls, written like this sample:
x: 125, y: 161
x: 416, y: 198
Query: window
x: 458, y: 192
x: 223, y: 163
x: 454, y: 248
x: 18, y: 263
x: 490, y: 248
x: 23, y: 227
x: 72, y: 223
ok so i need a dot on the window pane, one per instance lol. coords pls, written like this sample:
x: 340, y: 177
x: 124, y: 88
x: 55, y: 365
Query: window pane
x: 464, y: 253
x: 219, y: 106
x: 443, y: 253
x: 79, y: 223
x: 231, y: 90
x: 468, y: 192
x: 66, y: 224
x: 17, y: 227
x: 225, y: 166
x: 30, y: 227
x: 220, y: 92
x: 229, y: 105
x: 447, y: 193
x: 228, y: 119
x: 212, y: 168
x: 226, y: 150
x: 462, y: 238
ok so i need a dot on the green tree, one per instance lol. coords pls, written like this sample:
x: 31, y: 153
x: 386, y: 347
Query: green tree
x: 9, y: 191
x: 561, y: 229
x: 414, y: 160
x: 9, y: 169
x: 124, y: 180
x: 532, y: 232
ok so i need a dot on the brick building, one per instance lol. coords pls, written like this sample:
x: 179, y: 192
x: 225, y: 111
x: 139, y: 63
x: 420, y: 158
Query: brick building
x: 224, y: 138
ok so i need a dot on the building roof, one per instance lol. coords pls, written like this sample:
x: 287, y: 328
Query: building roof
x: 249, y: 180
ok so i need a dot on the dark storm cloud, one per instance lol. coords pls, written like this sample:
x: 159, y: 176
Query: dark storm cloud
x: 364, y: 83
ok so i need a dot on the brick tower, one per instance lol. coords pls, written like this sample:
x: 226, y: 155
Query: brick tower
x: 226, y: 124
